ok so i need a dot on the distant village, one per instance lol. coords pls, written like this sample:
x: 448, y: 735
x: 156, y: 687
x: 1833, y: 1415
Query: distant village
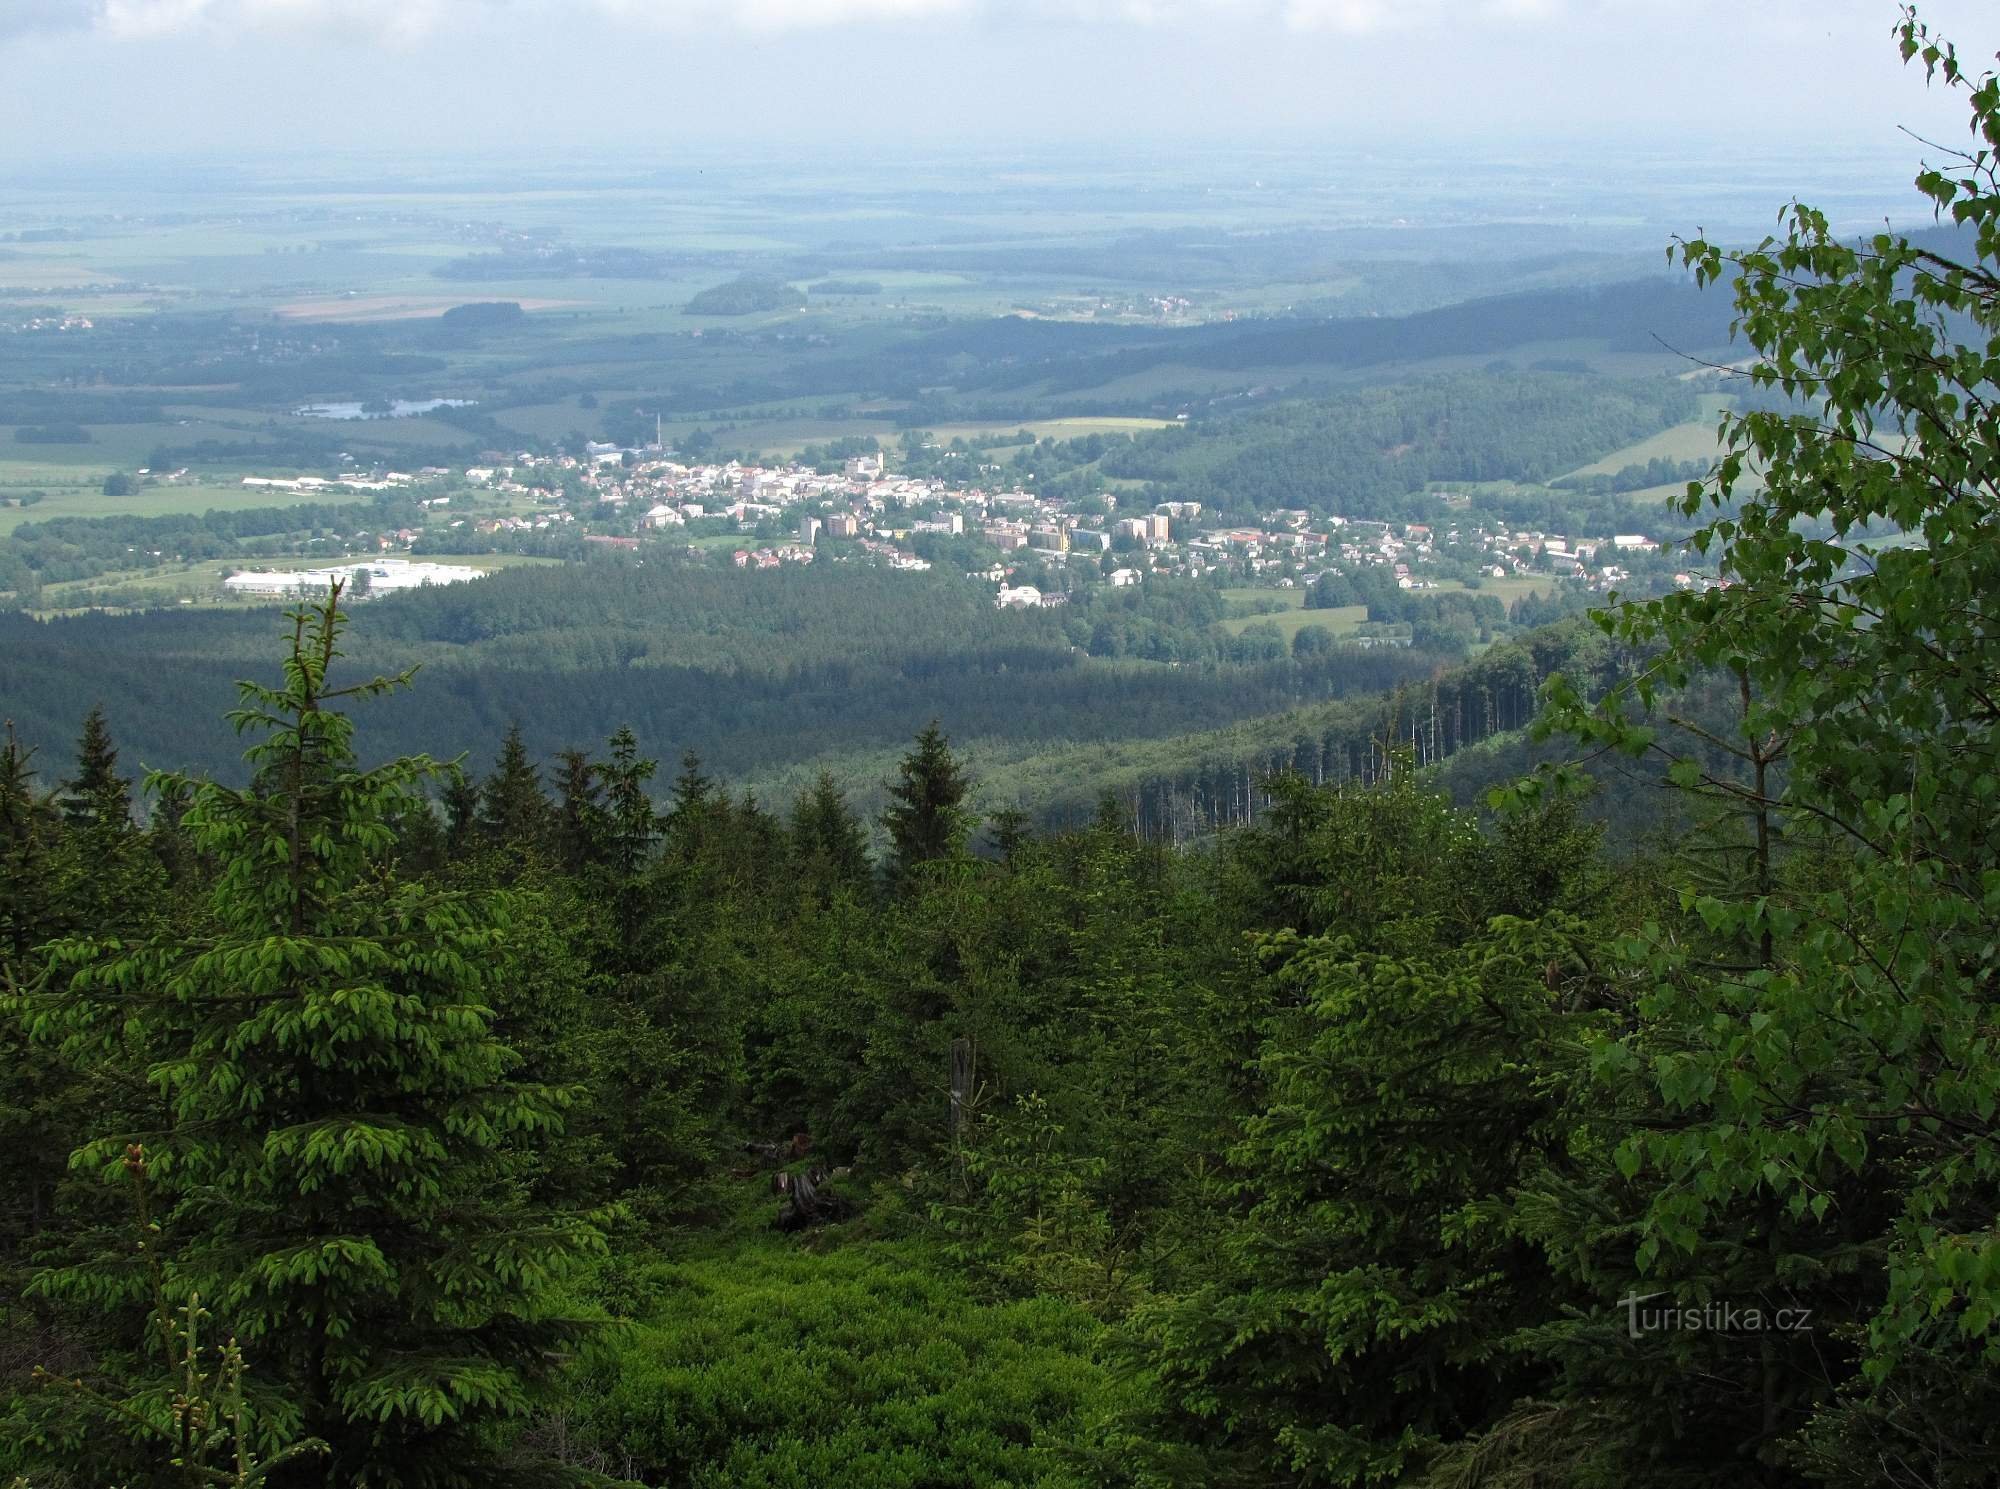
x: 763, y: 517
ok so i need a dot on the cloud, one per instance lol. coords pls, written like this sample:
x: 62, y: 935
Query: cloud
x: 1373, y: 17
x: 1355, y: 17
x: 403, y: 21
x: 391, y: 21
x: 19, y: 17
x: 409, y: 20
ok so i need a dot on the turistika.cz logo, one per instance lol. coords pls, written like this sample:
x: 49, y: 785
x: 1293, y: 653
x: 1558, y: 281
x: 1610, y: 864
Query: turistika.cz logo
x: 1713, y: 1317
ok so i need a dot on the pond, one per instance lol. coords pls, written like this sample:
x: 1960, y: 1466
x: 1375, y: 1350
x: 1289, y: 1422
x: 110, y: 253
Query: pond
x: 398, y: 408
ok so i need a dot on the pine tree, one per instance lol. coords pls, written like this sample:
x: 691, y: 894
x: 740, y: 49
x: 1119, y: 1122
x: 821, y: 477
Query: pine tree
x: 347, y: 1148
x: 928, y: 822
x: 97, y: 794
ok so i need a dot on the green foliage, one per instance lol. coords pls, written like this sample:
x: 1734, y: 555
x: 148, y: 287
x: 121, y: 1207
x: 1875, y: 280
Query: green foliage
x: 198, y: 1427
x: 1037, y: 1223
x: 1809, y: 1067
x: 868, y: 1365
x: 347, y: 1147
x: 28, y: 832
x: 1407, y: 1059
x: 513, y: 812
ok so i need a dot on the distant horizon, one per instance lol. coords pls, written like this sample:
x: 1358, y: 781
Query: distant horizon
x: 1604, y: 195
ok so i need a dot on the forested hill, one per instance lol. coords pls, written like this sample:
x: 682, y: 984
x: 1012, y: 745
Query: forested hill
x: 1022, y: 359
x: 1634, y: 316
x: 1048, y: 731
x: 1372, y: 453
x: 666, y: 611
x: 753, y: 671
x: 1469, y: 725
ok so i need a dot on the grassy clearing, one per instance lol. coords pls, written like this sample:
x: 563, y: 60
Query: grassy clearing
x: 1694, y: 440
x: 1341, y: 620
x: 1293, y: 615
x: 1288, y: 599
x: 1506, y: 591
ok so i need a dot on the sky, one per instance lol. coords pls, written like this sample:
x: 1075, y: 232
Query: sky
x: 137, y: 78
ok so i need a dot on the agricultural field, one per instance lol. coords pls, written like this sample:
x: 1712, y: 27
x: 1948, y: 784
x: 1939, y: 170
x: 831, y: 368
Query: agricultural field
x: 352, y: 308
x: 1068, y: 428
x: 148, y: 500
x: 1292, y: 614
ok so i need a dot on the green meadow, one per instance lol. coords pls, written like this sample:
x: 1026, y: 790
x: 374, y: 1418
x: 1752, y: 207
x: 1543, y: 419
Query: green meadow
x: 1341, y: 619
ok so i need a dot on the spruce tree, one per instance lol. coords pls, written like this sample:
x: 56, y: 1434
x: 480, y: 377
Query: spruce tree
x: 167, y: 839
x: 928, y: 821
x: 513, y: 812
x: 692, y: 789
x: 632, y: 827
x: 30, y: 914
x: 28, y: 832
x: 97, y: 795
x: 109, y: 882
x: 692, y: 812
x: 580, y: 827
x: 827, y: 839
x: 459, y: 796
x: 342, y: 1172
x: 1008, y: 831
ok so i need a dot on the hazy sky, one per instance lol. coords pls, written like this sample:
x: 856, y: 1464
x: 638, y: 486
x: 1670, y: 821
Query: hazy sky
x: 454, y: 76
